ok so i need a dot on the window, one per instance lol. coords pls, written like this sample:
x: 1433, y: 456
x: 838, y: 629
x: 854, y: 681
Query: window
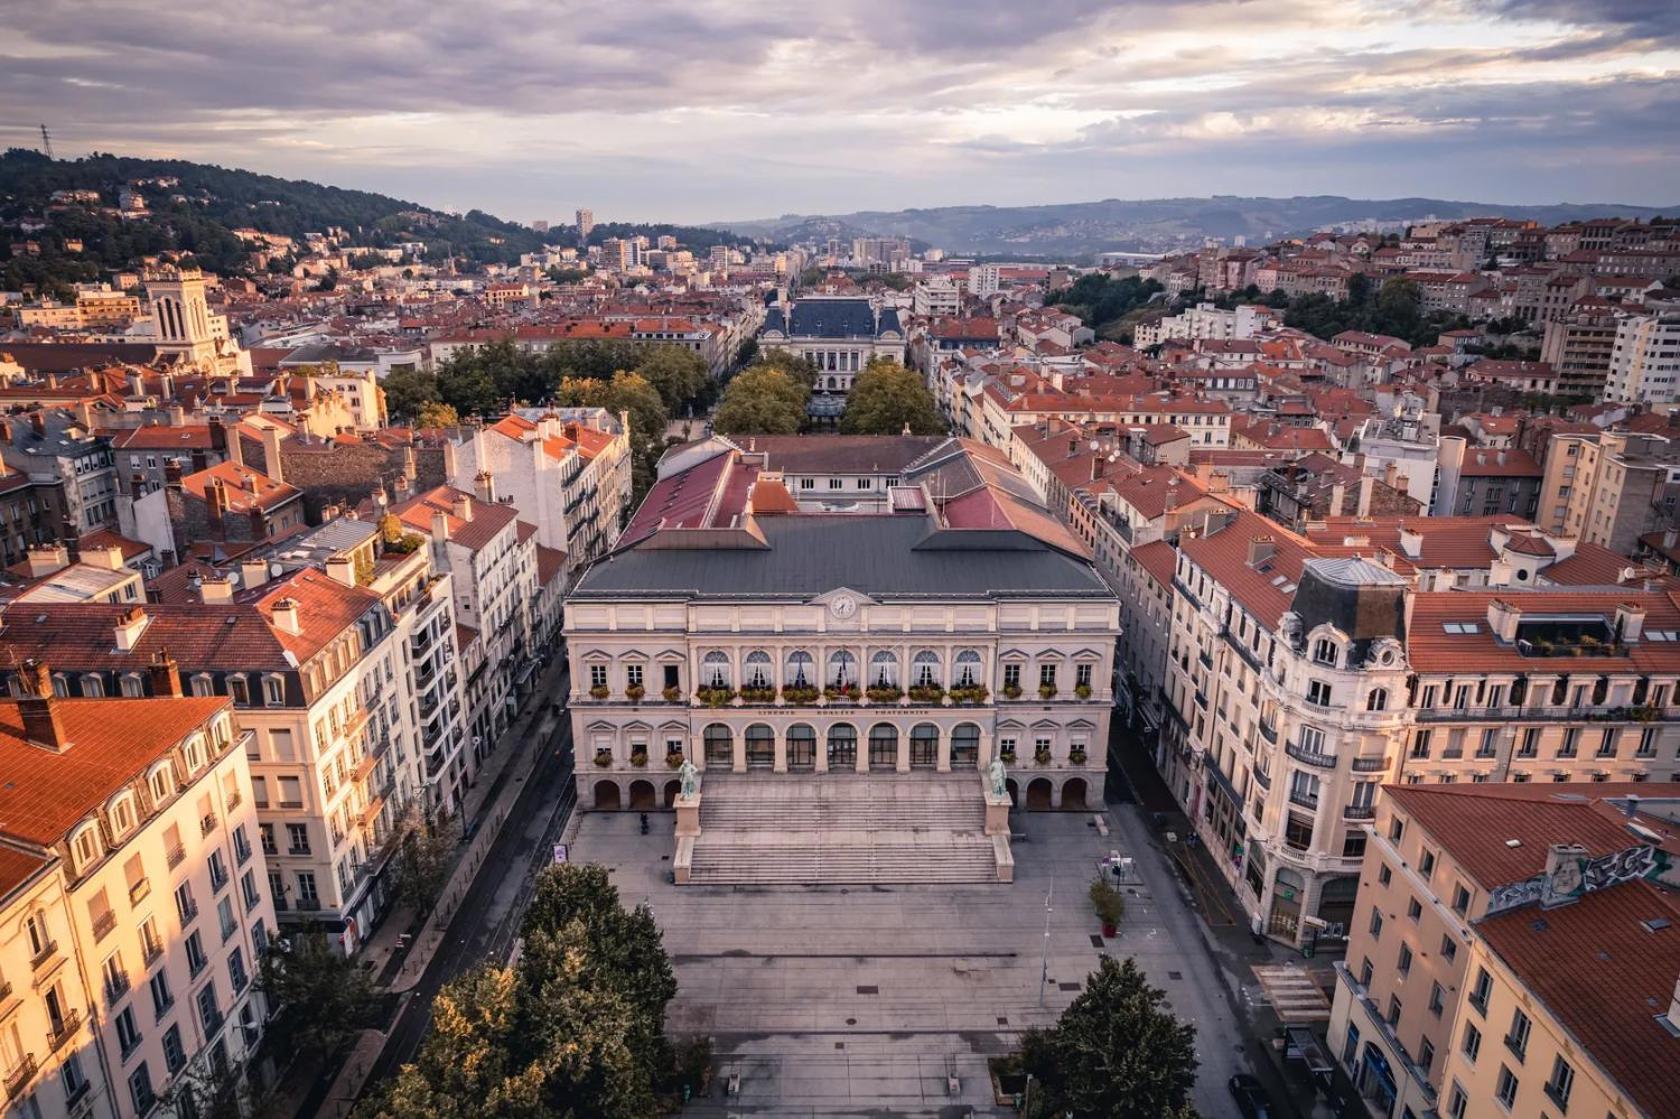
x: 248, y: 888
x: 1517, y: 1040
x: 1506, y: 1090
x: 633, y: 675
x: 1436, y: 1000
x: 297, y: 839
x: 140, y: 1089
x: 1377, y: 700
x: 266, y: 832
x: 1561, y: 1082
x: 597, y: 675
x: 1461, y: 899
x: 1472, y: 1042
x: 1385, y: 875
x: 224, y: 917
x: 1324, y: 652
x: 291, y: 792
x: 1318, y: 693
x: 1376, y: 922
x: 274, y: 691
x: 1082, y: 676
x: 1414, y: 910
x: 195, y: 954
x: 1426, y: 864
x: 240, y: 690
x: 209, y: 1014
x: 306, y: 892
x: 1426, y: 1055
x: 1481, y: 989
x: 150, y: 942
x: 1449, y: 948
x: 1047, y: 676
x: 185, y: 907
x: 1404, y: 963
x: 174, y: 1054
x: 1394, y: 1008
x: 1012, y: 676
x: 236, y: 971
x: 162, y: 997
x: 128, y: 1034
x: 1365, y: 971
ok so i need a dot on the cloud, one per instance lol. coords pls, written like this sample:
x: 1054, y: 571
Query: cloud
x: 709, y: 108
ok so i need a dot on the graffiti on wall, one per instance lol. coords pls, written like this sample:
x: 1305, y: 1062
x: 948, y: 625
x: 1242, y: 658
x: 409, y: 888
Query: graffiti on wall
x: 1573, y: 874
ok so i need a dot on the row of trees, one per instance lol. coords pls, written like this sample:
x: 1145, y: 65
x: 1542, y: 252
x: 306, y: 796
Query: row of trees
x: 1394, y: 308
x: 574, y: 1028
x: 769, y: 397
x: 1104, y: 302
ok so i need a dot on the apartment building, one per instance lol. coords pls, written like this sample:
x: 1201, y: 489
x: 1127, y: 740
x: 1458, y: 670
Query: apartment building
x: 134, y: 902
x: 1301, y: 678
x: 1633, y: 489
x: 309, y: 661
x: 491, y: 555
x: 567, y: 471
x: 1578, y: 345
x: 1645, y: 360
x: 1508, y: 951
x: 52, y: 446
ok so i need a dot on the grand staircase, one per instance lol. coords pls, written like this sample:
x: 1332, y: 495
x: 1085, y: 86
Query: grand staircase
x: 887, y: 829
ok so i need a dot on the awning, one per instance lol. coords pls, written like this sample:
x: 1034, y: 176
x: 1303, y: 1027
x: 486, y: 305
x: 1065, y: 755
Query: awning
x: 1293, y: 993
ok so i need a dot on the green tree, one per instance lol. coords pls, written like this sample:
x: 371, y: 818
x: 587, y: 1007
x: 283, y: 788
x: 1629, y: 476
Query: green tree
x: 793, y: 365
x: 466, y: 385
x: 626, y: 392
x: 435, y: 413
x: 1116, y: 1053
x: 322, y: 998
x: 887, y: 399
x: 425, y: 859
x: 762, y: 400
x: 407, y: 391
x: 676, y: 371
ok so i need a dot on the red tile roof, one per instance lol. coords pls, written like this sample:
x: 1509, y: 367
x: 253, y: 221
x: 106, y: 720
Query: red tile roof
x: 487, y: 519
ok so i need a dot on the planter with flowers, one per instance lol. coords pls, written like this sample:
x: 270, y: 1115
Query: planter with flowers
x: 1047, y: 691
x: 603, y: 758
x: 639, y: 759
x: 673, y: 759
x: 801, y: 694
x: 969, y: 693
x: 634, y: 693
x: 715, y: 697
x: 599, y: 691
x: 672, y: 694
x: 846, y: 692
x: 926, y: 693
x: 1012, y: 691
x: 757, y: 694
x: 1083, y: 691
x: 884, y: 693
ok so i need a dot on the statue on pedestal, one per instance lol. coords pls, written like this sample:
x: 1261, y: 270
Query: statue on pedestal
x: 690, y: 778
x: 998, y: 775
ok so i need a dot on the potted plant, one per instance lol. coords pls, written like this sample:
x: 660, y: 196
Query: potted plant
x: 1012, y: 691
x: 639, y: 758
x: 799, y: 693
x: 758, y: 694
x: 634, y: 693
x: 673, y: 759
x: 1047, y: 691
x: 1008, y: 753
x: 926, y: 693
x: 715, y: 697
x: 884, y: 693
x: 599, y: 691
x: 672, y: 694
x: 1077, y: 755
x: 603, y: 758
x: 969, y: 693
x: 1109, y: 904
x: 1083, y: 691
x: 1042, y: 757
x: 841, y: 691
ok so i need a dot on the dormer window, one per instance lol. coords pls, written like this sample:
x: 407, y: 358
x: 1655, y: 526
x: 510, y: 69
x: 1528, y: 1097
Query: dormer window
x: 202, y: 685
x: 122, y: 817
x: 86, y: 847
x: 92, y: 686
x: 240, y: 690
x: 132, y: 687
x: 1324, y: 652
x: 195, y: 755
x: 161, y: 783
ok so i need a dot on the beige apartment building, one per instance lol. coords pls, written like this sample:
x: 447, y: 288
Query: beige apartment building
x: 133, y: 900
x: 1512, y: 953
x: 1302, y: 677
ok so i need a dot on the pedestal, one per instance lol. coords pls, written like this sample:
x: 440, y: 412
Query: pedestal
x: 997, y: 813
x: 688, y: 814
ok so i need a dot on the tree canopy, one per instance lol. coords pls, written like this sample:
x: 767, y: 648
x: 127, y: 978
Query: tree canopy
x: 887, y: 399
x: 322, y: 997
x: 1116, y: 1053
x: 788, y: 362
x: 574, y: 1029
x: 1101, y: 300
x: 632, y: 393
x: 762, y: 400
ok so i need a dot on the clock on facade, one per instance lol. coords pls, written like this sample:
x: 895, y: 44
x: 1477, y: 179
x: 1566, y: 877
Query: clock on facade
x: 844, y: 606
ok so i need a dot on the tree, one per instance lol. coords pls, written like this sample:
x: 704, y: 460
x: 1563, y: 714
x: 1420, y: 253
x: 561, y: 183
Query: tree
x: 626, y: 392
x: 322, y: 997
x: 761, y: 400
x: 888, y: 399
x: 407, y: 391
x: 575, y: 1029
x: 435, y: 413
x: 466, y: 385
x: 1115, y: 1053
x: 676, y: 371
x: 425, y: 859
x: 793, y: 365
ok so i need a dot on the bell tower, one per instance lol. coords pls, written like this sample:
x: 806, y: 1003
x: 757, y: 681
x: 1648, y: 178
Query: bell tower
x: 182, y: 316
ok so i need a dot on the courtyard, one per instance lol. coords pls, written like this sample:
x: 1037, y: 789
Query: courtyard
x: 871, y: 1001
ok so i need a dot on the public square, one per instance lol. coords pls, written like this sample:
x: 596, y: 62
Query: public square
x: 855, y: 1001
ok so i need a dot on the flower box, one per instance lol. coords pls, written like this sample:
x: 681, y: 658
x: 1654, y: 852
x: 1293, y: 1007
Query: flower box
x: 973, y: 694
x: 800, y: 694
x: 1076, y: 757
x: 1012, y: 691
x: 1047, y: 691
x: 672, y: 694
x: 603, y: 758
x: 884, y: 693
x: 638, y: 760
x: 673, y: 761
x: 841, y: 691
x: 715, y: 697
x: 634, y: 693
x: 927, y: 693
x: 1042, y: 757
x: 758, y: 695
x: 1083, y: 691
x: 599, y: 691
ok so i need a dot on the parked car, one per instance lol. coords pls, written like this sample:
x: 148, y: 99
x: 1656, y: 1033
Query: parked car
x: 1251, y: 1097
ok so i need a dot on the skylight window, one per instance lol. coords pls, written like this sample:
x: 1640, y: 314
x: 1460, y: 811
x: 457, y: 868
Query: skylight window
x: 1461, y: 628
x: 1662, y: 635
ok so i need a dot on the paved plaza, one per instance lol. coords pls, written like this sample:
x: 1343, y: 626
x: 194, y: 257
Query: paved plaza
x: 865, y: 1001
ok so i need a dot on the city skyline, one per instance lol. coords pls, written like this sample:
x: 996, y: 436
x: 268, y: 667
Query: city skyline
x: 721, y: 112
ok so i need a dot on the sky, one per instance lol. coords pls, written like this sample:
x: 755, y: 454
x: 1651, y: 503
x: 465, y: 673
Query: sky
x: 699, y: 110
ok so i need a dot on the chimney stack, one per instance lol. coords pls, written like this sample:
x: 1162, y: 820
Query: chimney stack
x: 485, y: 483
x: 166, y: 676
x: 342, y: 569
x: 216, y: 590
x: 131, y: 623
x: 45, y: 560
x: 286, y: 616
x: 43, y: 725
x: 440, y: 526
x: 271, y: 454
x: 463, y: 507
x: 253, y: 573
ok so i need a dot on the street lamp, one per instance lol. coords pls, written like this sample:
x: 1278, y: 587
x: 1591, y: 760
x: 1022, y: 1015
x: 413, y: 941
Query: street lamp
x: 1044, y: 952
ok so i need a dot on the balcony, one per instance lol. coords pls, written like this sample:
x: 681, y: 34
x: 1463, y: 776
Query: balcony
x: 1248, y: 655
x: 176, y: 854
x: 116, y: 986
x: 66, y: 1030
x: 139, y: 891
x: 1304, y: 800
x: 1178, y: 585
x: 1263, y: 779
x: 151, y: 953
x: 363, y: 768
x: 1268, y: 732
x: 307, y: 905
x: 1359, y: 812
x: 208, y: 824
x: 1371, y: 765
x: 1201, y: 701
x: 1206, y: 661
x: 47, y: 952
x: 358, y: 720
x: 1310, y: 757
x: 103, y: 924
x: 371, y: 812
x: 18, y: 1078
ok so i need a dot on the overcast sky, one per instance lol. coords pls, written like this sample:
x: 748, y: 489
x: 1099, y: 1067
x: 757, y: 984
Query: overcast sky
x: 710, y: 109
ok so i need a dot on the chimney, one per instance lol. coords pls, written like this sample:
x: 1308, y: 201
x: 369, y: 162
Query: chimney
x: 1630, y: 621
x: 286, y: 616
x: 177, y: 416
x: 1556, y: 856
x: 39, y: 423
x: 485, y: 483
x: 1367, y: 484
x: 1502, y: 619
x: 271, y: 454
x: 46, y: 560
x: 253, y: 573
x: 463, y: 507
x: 440, y: 526
x: 109, y: 557
x: 216, y: 590
x: 342, y: 569
x: 1338, y: 494
x: 42, y: 722
x: 1260, y: 549
x: 1390, y: 471
x: 166, y: 676
x: 1411, y: 542
x: 215, y: 496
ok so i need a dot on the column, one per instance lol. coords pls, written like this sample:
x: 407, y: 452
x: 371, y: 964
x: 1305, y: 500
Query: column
x: 821, y: 759
x: 985, y: 751
x: 738, y: 745
x: 780, y: 764
x: 903, y: 750
x: 863, y: 749
x: 944, y: 765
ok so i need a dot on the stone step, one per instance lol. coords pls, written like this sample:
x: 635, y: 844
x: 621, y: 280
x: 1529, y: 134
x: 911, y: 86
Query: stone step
x: 746, y: 864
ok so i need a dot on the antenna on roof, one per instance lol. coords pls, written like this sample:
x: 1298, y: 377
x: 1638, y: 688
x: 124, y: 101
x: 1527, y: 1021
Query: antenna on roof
x: 46, y: 141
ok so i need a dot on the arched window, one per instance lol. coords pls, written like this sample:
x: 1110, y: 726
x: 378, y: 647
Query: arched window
x: 924, y: 746
x: 87, y: 847
x: 842, y: 669
x: 1324, y: 652
x: 195, y: 755
x: 761, y: 747
x: 720, y: 745
x: 968, y: 669
x: 756, y: 672
x: 883, y: 670
x: 1377, y: 700
x: 842, y: 746
x: 714, y: 669
x: 162, y: 783
x: 924, y: 669
x: 883, y: 746
x: 801, y: 746
x: 965, y: 745
x: 801, y: 670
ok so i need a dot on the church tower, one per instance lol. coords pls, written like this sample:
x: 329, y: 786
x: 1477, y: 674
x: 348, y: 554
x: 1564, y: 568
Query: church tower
x: 183, y: 318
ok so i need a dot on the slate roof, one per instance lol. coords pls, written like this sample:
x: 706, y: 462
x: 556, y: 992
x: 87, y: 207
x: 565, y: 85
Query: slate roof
x: 885, y: 556
x: 831, y: 318
x: 838, y: 454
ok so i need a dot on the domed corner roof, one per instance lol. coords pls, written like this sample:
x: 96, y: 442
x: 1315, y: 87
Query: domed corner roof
x: 1353, y: 573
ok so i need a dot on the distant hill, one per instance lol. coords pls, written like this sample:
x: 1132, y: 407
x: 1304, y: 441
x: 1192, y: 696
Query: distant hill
x: 1149, y: 225
x: 205, y: 202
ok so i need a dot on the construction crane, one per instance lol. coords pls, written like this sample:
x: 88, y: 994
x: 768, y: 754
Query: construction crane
x: 46, y: 141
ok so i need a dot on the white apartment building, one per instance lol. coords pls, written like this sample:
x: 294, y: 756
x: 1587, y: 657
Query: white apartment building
x: 985, y: 280
x: 566, y: 470
x: 134, y: 900
x: 1645, y: 360
x: 491, y: 556
x: 1298, y: 683
x: 936, y: 295
x: 1204, y: 320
